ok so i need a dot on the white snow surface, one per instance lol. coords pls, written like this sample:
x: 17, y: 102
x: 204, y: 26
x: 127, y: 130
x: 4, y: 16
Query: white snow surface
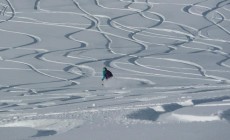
x: 170, y: 60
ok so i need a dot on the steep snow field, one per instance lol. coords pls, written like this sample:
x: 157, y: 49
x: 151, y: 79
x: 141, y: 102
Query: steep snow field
x: 170, y: 60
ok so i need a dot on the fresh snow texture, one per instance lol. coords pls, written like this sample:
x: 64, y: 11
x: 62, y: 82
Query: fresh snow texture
x: 170, y: 60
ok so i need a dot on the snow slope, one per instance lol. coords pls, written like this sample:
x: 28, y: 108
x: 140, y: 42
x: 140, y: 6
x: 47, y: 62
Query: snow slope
x: 170, y: 60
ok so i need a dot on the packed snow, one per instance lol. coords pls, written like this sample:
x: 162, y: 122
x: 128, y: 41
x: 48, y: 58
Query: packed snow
x: 170, y: 60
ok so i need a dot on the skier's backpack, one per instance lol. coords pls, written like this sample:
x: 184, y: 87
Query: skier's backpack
x: 108, y: 74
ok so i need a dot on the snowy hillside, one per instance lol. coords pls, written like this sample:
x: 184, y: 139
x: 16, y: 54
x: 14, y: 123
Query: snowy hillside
x: 170, y: 60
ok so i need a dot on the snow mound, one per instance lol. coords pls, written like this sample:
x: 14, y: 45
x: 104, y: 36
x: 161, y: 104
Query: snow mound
x: 147, y: 114
x: 46, y: 126
x: 225, y: 115
x: 194, y: 118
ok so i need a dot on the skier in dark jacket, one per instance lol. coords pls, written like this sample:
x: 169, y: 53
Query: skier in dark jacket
x: 106, y: 74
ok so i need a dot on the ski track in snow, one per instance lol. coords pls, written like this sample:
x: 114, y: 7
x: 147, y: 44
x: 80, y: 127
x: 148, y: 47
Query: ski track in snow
x: 161, y: 64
